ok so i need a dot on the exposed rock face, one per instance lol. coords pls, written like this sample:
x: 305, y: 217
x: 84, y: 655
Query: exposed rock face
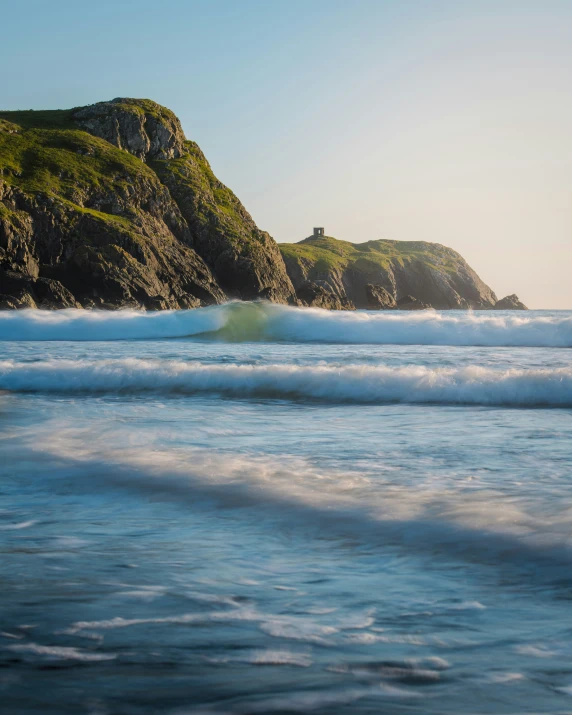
x: 20, y: 291
x: 408, y: 302
x: 319, y: 295
x: 100, y: 261
x: 436, y: 275
x: 246, y: 261
x: 141, y: 127
x: 510, y: 302
x: 113, y: 204
x: 378, y: 298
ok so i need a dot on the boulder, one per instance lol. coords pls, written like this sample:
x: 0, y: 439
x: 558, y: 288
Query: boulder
x: 378, y: 298
x: 317, y: 295
x: 16, y: 301
x: 20, y: 291
x: 510, y: 302
x: 408, y: 302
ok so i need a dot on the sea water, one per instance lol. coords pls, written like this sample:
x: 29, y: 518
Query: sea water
x: 260, y: 509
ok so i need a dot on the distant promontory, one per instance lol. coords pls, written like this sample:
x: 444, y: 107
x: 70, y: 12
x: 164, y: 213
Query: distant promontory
x: 110, y: 206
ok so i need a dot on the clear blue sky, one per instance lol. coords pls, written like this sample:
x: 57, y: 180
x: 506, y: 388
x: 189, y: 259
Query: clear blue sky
x: 405, y: 119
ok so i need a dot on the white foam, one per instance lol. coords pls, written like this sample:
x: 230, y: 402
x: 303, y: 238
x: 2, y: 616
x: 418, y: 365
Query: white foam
x: 182, y: 619
x: 265, y: 321
x: 373, y: 384
x: 537, y: 651
x: 213, y: 598
x: 69, y: 542
x: 419, y: 328
x: 266, y: 657
x: 500, y: 678
x: 18, y: 526
x: 143, y: 595
x: 279, y: 657
x: 15, y: 636
x: 469, y: 606
x: 288, y: 627
x: 365, y: 638
x: 81, y: 325
x: 405, y: 671
x: 299, y: 629
x: 61, y: 652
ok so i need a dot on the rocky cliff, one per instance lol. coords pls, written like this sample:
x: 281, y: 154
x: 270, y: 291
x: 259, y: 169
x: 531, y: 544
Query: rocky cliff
x: 110, y: 205
x: 383, y: 275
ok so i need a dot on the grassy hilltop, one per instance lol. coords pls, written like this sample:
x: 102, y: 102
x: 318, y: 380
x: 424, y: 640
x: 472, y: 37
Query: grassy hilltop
x: 431, y: 273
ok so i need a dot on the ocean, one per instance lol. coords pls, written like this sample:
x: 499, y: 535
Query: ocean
x: 254, y: 508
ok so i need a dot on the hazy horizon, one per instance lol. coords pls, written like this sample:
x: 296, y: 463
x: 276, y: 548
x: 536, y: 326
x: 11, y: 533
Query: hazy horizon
x: 445, y: 122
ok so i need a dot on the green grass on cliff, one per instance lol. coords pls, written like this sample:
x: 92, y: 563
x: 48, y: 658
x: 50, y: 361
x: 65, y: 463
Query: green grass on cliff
x: 327, y: 254
x: 63, y: 118
x: 44, y: 154
x: 63, y: 162
x: 16, y: 219
x: 146, y: 106
x: 190, y: 177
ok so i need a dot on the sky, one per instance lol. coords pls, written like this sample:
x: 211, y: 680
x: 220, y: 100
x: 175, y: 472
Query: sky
x: 397, y: 119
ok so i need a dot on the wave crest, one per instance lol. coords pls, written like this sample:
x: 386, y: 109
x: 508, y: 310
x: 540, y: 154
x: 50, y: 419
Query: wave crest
x: 364, y: 384
x: 269, y: 322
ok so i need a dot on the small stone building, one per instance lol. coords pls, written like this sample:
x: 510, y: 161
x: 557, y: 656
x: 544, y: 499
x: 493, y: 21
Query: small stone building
x: 318, y: 231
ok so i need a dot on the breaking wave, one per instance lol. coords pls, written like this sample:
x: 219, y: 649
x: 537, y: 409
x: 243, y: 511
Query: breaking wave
x: 364, y: 384
x: 268, y: 322
x: 81, y: 325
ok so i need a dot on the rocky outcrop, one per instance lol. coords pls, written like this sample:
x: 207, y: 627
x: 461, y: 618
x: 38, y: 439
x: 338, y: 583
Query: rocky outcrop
x: 408, y: 302
x: 139, y: 126
x: 102, y: 260
x: 20, y: 291
x: 319, y: 295
x: 510, y: 302
x: 378, y: 298
x: 246, y: 261
x: 379, y: 274
x: 113, y: 204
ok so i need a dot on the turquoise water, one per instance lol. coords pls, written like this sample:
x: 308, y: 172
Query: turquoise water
x: 257, y: 509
